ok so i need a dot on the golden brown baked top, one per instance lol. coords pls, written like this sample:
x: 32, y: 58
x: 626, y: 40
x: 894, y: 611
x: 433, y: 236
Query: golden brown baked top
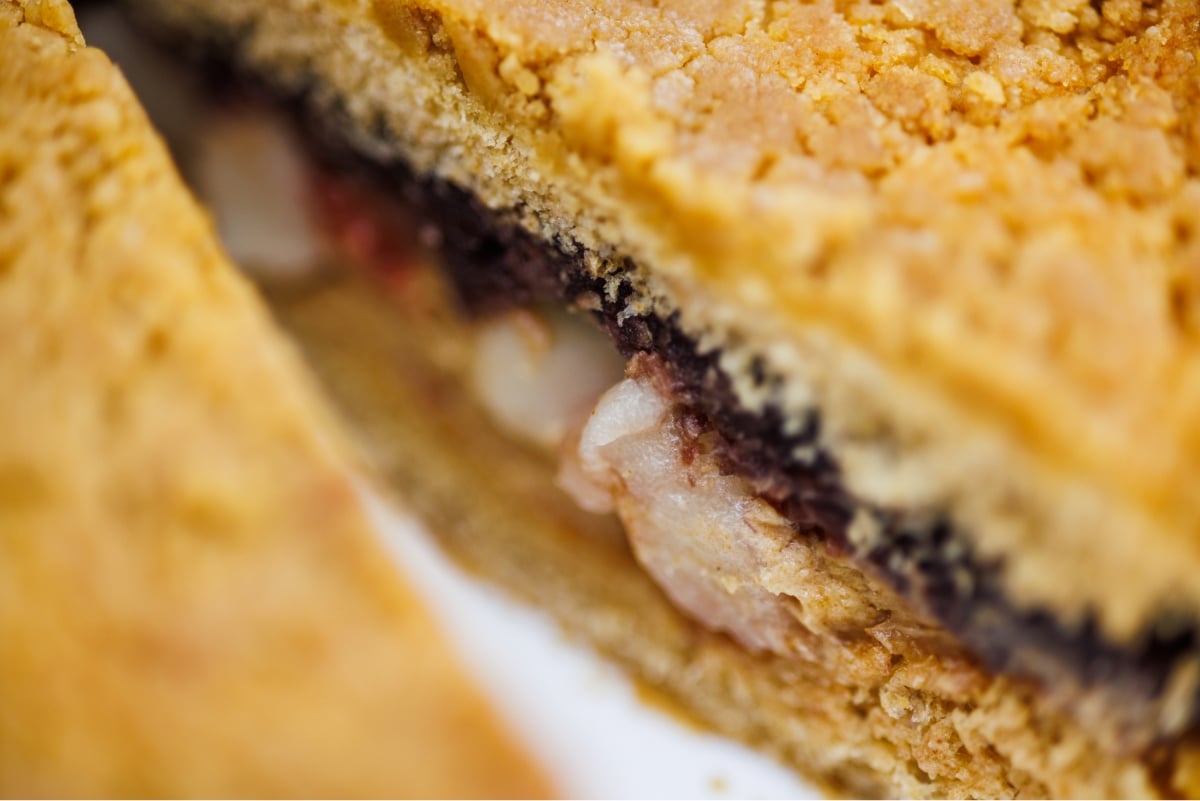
x: 997, y: 199
x: 965, y: 229
x: 190, y: 600
x: 960, y: 230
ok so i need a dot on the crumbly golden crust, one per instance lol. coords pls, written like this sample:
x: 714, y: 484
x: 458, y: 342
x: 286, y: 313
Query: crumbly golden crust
x: 963, y: 230
x: 190, y: 600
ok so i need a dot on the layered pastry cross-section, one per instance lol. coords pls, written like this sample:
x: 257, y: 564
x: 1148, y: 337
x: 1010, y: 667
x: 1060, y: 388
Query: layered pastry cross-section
x: 907, y: 296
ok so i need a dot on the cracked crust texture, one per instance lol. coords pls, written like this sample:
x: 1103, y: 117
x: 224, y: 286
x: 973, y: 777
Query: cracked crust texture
x: 190, y: 599
x: 964, y: 230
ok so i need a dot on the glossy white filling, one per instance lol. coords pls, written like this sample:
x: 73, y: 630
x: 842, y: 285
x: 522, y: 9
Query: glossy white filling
x: 251, y: 172
x: 538, y: 373
x: 713, y: 546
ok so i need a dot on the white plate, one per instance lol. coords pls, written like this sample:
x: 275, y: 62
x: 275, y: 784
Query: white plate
x: 577, y: 713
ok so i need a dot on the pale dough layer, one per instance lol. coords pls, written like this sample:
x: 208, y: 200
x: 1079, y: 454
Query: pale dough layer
x: 873, y: 700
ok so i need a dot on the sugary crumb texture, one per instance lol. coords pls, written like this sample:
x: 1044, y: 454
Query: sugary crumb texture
x: 191, y: 602
x: 964, y: 230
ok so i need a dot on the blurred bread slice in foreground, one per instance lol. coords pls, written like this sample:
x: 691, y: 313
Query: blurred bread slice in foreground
x: 190, y: 600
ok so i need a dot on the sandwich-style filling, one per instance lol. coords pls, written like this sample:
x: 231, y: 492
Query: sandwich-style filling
x: 1147, y: 689
x: 758, y: 476
x: 711, y: 493
x: 719, y: 551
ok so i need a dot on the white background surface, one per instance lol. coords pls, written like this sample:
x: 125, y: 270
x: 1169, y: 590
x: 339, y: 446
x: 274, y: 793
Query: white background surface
x: 578, y: 714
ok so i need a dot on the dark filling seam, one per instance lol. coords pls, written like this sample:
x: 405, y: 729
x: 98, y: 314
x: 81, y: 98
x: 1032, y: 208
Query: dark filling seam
x: 496, y: 264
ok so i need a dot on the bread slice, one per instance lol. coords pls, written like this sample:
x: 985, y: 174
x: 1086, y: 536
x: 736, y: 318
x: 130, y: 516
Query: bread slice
x: 191, y: 602
x: 917, y: 274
